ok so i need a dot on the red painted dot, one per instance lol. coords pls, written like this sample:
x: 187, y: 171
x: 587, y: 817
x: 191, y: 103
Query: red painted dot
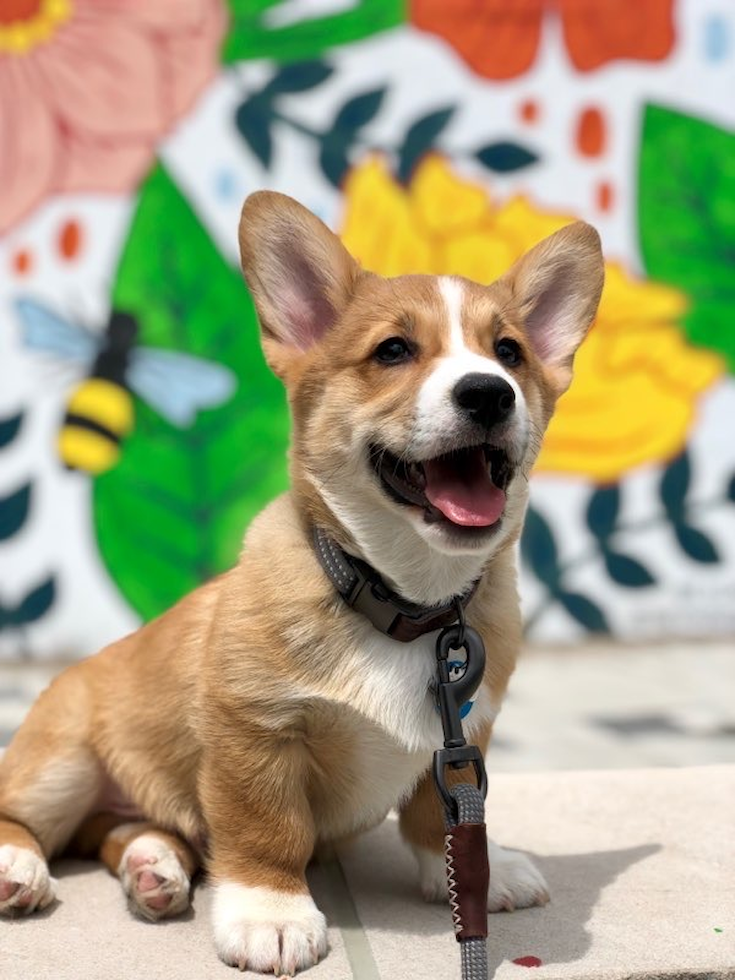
x: 529, y: 111
x: 22, y: 262
x: 70, y: 239
x: 528, y: 961
x: 591, y: 132
x: 605, y: 196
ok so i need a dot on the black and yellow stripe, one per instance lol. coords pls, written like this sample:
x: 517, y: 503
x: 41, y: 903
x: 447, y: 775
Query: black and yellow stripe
x: 99, y: 414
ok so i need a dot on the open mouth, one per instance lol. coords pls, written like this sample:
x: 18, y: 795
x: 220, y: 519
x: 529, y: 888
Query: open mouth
x: 464, y: 487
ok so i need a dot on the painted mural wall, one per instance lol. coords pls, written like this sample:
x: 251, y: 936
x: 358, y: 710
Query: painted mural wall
x: 139, y: 428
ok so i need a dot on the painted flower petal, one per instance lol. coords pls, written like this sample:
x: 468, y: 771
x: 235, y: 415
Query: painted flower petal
x: 630, y: 299
x: 28, y: 139
x: 442, y: 201
x: 479, y: 255
x: 523, y: 225
x: 103, y: 76
x: 626, y: 365
x: 165, y: 15
x: 605, y: 30
x: 497, y: 38
x: 96, y: 164
x: 190, y: 57
x: 378, y: 227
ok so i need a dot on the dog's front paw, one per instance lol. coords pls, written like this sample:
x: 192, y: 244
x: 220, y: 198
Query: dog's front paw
x: 25, y: 884
x: 153, y: 878
x: 515, y: 882
x: 267, y: 931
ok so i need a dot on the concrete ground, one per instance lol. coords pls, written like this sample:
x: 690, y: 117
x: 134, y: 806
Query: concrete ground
x: 639, y: 854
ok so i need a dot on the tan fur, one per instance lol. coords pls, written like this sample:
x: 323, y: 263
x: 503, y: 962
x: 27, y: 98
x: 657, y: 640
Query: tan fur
x: 240, y: 719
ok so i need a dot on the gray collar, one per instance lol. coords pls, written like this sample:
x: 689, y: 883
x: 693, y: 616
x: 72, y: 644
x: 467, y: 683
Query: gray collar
x: 364, y: 590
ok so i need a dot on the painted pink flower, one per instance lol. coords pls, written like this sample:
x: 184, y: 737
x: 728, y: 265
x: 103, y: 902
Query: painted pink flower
x: 88, y: 87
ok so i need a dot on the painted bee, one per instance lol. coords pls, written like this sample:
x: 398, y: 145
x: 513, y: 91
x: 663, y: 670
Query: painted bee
x: 100, y: 412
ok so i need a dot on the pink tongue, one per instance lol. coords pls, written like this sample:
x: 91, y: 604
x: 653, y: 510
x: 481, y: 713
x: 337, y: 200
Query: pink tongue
x: 464, y: 492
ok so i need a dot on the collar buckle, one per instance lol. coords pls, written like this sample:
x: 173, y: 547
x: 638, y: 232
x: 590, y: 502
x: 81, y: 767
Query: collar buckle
x: 369, y: 598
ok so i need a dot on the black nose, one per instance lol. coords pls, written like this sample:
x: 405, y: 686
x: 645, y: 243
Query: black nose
x: 486, y: 398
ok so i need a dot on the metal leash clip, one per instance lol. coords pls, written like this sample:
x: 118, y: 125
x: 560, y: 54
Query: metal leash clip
x: 450, y: 696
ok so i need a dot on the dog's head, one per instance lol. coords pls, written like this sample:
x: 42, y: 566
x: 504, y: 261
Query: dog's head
x: 419, y: 403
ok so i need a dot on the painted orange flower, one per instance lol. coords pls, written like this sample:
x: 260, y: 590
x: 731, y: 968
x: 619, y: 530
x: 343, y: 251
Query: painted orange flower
x: 87, y: 87
x: 637, y: 379
x: 499, y: 39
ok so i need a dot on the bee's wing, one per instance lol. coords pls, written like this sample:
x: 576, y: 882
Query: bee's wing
x: 178, y: 385
x: 44, y: 330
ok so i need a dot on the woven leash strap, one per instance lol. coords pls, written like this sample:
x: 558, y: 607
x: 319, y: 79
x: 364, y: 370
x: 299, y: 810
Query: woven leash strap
x: 468, y: 878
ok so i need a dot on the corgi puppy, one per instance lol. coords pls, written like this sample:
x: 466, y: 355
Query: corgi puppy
x: 263, y: 714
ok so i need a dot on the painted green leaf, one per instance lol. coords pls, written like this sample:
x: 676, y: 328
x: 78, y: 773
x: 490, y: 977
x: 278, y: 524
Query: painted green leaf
x: 686, y: 206
x: 539, y: 550
x: 602, y: 511
x: 505, y: 157
x: 333, y: 158
x: 695, y: 544
x: 9, y: 428
x: 253, y: 122
x: 172, y: 513
x: 14, y: 511
x: 359, y: 110
x: 675, y: 485
x: 255, y: 31
x: 586, y: 612
x: 298, y: 77
x: 420, y: 138
x: 32, y: 606
x: 627, y: 571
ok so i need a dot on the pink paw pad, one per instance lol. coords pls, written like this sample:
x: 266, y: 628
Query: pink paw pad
x: 25, y: 884
x: 7, y: 888
x: 154, y: 879
x: 149, y: 881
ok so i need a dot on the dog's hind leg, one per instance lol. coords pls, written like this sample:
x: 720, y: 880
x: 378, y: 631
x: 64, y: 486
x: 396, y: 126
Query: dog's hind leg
x: 49, y: 780
x: 155, y: 867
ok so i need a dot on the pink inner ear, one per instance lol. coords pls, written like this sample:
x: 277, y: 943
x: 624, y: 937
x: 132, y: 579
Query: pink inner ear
x: 548, y: 324
x: 301, y: 327
x: 304, y: 307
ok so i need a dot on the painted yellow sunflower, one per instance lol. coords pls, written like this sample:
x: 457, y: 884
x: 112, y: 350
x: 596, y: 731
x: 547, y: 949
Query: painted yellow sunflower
x: 637, y: 379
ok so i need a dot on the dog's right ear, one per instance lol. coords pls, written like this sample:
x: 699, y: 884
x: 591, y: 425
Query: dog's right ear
x: 299, y: 273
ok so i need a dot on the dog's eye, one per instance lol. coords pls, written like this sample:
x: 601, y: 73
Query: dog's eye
x: 509, y: 352
x: 393, y: 351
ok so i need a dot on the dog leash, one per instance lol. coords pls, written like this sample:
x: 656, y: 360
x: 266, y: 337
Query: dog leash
x: 465, y: 841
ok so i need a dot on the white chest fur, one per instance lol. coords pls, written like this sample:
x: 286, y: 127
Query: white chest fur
x: 389, y: 683
x: 391, y: 720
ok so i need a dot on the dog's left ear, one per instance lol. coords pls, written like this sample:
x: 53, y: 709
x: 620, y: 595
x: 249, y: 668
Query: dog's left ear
x: 299, y: 273
x: 556, y: 289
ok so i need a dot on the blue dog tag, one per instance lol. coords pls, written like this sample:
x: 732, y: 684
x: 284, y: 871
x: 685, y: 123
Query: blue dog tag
x: 456, y: 670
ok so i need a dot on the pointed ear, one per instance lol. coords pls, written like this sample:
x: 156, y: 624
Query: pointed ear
x: 556, y: 289
x: 298, y: 271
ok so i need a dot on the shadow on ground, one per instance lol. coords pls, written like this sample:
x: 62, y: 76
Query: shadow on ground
x: 387, y: 900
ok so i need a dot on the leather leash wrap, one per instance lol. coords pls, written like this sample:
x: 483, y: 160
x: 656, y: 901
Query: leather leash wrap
x: 364, y: 591
x: 468, y: 876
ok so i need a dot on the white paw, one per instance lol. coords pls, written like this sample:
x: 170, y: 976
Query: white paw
x: 25, y: 884
x: 515, y: 883
x: 153, y: 878
x: 267, y: 931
